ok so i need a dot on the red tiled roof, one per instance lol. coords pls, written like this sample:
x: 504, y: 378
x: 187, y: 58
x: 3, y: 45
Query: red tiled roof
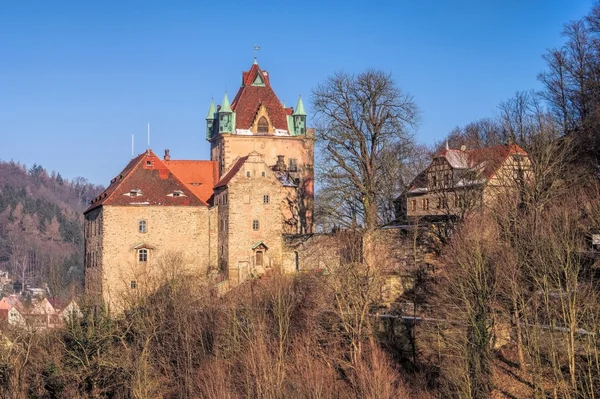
x: 249, y: 98
x: 237, y: 165
x: 487, y: 160
x: 199, y: 176
x: 149, y: 174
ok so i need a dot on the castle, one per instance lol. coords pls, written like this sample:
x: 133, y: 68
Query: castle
x: 228, y: 216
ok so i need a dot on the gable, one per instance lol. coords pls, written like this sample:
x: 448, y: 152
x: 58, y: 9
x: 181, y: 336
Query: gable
x: 250, y: 97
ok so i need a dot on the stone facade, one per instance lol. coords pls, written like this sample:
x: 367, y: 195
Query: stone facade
x: 170, y: 231
x: 224, y: 218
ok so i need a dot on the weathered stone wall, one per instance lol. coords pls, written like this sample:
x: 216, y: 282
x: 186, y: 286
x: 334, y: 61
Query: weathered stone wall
x: 178, y: 232
x: 93, y: 230
x: 246, y: 204
x: 232, y: 146
x: 226, y: 148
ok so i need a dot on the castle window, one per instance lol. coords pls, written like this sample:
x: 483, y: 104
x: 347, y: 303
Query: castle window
x: 133, y: 284
x: 255, y: 225
x: 414, y: 205
x: 142, y: 255
x: 293, y: 167
x: 263, y: 125
x: 263, y: 173
x: 248, y: 174
x: 142, y: 226
x: 148, y: 163
x: 425, y: 204
x: 266, y: 199
x: 258, y: 261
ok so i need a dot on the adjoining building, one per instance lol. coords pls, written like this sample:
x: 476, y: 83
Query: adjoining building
x: 460, y: 180
x: 225, y: 217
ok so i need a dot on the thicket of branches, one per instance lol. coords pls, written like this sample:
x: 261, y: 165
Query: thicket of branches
x: 303, y: 336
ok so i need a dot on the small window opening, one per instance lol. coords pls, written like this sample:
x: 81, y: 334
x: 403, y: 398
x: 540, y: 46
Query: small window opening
x: 255, y: 225
x: 248, y: 174
x: 133, y: 284
x: 293, y: 167
x: 143, y: 255
x: 148, y: 163
x: 142, y: 226
x: 263, y: 173
x: 266, y: 199
x: 176, y: 193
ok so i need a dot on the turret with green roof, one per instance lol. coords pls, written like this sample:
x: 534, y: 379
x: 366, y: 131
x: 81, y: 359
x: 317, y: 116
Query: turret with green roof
x: 210, y: 119
x: 299, y: 117
x: 226, y: 116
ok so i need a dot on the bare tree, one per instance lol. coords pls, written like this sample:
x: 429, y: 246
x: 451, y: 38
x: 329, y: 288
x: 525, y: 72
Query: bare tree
x: 359, y: 118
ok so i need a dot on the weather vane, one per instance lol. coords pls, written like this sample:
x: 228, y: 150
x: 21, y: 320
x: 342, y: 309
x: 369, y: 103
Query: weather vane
x: 256, y: 48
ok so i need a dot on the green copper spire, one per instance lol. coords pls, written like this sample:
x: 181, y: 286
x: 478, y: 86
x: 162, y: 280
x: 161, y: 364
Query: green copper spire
x: 225, y: 107
x: 211, y: 110
x: 300, y: 107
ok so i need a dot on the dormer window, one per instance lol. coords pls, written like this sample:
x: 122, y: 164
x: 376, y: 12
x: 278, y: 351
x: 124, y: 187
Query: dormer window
x: 135, y: 193
x: 263, y: 125
x: 176, y: 193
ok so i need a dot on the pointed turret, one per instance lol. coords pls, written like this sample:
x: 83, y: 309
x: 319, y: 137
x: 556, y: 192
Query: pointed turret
x: 300, y: 107
x: 226, y: 116
x: 299, y: 116
x: 225, y: 107
x: 210, y: 119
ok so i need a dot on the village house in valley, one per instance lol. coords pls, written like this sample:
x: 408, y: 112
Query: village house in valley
x: 225, y: 217
x: 459, y: 180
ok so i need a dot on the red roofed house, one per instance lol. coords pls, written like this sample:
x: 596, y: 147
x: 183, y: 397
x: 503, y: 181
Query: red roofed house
x: 459, y: 180
x: 226, y: 215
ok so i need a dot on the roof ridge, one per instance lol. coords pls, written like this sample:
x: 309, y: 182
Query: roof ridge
x: 121, y: 181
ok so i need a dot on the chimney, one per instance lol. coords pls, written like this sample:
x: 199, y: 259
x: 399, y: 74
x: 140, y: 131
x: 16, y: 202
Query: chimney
x: 167, y: 156
x: 280, y: 165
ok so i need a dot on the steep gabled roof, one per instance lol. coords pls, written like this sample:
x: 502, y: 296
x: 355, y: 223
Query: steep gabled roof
x: 483, y: 162
x: 147, y: 173
x: 249, y: 98
x: 237, y: 165
x: 199, y: 176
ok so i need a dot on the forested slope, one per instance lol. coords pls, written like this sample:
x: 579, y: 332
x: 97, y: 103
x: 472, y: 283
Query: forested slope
x: 41, y: 227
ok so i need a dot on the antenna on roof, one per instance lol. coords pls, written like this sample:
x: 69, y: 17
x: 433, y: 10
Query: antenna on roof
x: 148, y: 135
x: 256, y: 48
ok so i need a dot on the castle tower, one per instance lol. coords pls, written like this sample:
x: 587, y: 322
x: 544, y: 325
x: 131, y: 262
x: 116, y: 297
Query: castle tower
x: 257, y: 121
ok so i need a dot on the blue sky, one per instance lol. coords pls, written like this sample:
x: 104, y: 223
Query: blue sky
x: 77, y: 78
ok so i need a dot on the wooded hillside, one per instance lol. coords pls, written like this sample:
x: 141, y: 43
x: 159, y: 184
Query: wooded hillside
x: 41, y: 227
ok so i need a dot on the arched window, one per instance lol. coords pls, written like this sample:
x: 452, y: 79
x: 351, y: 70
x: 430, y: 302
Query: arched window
x: 263, y: 125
